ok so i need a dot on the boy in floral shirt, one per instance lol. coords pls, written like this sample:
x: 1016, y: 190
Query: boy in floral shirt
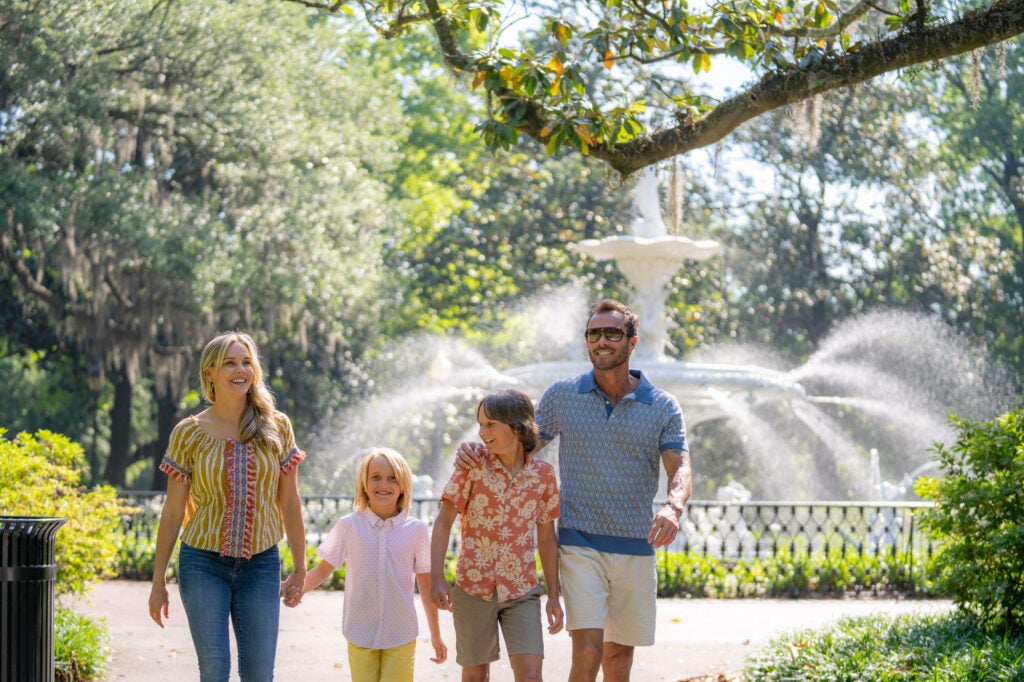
x: 502, y: 501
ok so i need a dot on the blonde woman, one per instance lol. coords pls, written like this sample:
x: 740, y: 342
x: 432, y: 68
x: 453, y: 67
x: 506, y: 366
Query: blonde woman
x: 232, y: 482
x: 382, y: 549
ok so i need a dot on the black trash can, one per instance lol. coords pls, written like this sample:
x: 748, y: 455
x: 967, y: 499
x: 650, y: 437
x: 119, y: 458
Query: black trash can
x: 27, y: 574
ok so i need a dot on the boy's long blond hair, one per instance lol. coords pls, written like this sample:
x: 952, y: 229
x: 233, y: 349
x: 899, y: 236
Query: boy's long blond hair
x: 259, y: 418
x: 402, y: 472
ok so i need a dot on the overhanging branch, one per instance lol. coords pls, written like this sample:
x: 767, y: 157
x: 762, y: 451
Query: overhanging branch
x: 974, y: 30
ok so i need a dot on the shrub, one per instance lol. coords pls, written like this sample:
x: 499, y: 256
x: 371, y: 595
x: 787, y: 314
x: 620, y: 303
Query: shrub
x: 979, y: 518
x: 38, y: 478
x: 952, y: 647
x: 80, y: 648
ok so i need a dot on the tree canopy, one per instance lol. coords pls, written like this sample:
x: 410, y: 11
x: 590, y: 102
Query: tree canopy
x: 163, y: 176
x: 583, y: 78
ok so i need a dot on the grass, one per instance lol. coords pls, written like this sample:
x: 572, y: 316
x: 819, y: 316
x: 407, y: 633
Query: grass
x: 951, y: 647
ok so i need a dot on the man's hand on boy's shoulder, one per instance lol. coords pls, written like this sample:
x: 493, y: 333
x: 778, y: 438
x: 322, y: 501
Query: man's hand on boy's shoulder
x: 468, y: 455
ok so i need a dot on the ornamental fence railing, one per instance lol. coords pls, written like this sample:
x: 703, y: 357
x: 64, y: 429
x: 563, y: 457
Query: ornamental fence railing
x: 732, y: 535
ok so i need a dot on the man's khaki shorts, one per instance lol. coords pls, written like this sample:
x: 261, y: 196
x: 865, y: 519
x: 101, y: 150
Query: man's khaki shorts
x: 616, y: 593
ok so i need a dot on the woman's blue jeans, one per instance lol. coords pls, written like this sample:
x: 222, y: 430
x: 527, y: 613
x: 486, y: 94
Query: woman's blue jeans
x: 215, y: 588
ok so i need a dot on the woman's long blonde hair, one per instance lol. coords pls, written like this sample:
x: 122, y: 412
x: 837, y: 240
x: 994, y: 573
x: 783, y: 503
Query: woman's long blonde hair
x: 258, y: 420
x: 402, y: 472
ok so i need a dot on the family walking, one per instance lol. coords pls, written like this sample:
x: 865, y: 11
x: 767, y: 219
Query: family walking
x: 233, y: 493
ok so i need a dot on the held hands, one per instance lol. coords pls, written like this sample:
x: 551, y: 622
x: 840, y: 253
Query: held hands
x: 469, y: 455
x: 291, y: 590
x: 664, y: 527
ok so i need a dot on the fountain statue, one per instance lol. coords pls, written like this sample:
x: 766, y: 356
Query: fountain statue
x: 649, y: 258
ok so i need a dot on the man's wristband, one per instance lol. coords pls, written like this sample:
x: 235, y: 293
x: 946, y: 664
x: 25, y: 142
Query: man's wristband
x: 677, y: 508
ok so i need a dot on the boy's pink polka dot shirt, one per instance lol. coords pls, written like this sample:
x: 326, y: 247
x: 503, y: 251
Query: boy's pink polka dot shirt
x: 381, y: 559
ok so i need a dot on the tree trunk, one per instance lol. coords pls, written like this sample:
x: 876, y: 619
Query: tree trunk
x: 120, y: 430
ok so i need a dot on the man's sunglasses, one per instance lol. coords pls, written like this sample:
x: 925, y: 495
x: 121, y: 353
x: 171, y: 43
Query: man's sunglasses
x: 613, y: 334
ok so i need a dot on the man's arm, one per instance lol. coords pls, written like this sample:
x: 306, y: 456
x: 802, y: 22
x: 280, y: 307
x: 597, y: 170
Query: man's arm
x: 665, y: 525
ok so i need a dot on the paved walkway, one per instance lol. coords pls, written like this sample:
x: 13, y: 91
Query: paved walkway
x: 696, y: 637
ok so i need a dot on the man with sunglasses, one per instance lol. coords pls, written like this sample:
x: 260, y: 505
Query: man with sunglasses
x: 615, y: 430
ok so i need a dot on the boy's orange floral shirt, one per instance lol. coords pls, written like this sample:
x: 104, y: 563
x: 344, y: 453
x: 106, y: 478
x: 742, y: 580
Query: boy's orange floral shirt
x: 498, y: 514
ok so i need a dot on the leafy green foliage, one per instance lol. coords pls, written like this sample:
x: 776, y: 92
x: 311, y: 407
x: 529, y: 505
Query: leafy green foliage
x: 979, y: 518
x: 38, y: 477
x: 80, y: 647
x: 811, y: 250
x: 508, y: 244
x: 978, y: 107
x: 44, y: 387
x: 178, y: 176
x: 552, y: 83
x: 952, y: 647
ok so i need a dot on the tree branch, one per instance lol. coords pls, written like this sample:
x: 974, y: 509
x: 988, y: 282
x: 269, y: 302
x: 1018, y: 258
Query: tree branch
x: 775, y: 90
x: 29, y: 284
x: 843, y: 23
x: 122, y: 300
x: 451, y: 53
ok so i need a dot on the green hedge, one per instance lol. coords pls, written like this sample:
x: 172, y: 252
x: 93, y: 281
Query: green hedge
x: 40, y: 476
x: 787, y: 574
x: 80, y: 648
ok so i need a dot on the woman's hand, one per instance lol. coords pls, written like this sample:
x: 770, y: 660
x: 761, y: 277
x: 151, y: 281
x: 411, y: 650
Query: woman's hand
x: 159, y: 603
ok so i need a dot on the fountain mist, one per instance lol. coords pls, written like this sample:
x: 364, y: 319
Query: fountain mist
x: 882, y: 383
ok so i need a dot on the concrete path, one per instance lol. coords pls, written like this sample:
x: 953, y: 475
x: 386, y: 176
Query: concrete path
x: 696, y: 637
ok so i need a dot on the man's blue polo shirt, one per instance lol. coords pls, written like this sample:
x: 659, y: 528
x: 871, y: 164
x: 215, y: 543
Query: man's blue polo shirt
x: 609, y: 459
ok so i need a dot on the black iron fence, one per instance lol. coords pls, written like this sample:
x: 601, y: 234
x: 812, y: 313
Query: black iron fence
x: 877, y: 544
